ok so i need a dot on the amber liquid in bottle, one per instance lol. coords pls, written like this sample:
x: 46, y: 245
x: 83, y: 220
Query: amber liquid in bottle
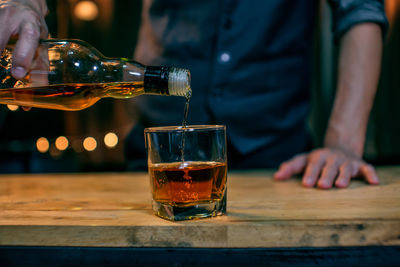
x: 69, y: 96
x: 191, y: 183
x: 73, y: 75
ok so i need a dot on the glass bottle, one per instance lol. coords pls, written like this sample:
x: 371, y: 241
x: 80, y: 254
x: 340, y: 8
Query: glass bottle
x: 72, y: 75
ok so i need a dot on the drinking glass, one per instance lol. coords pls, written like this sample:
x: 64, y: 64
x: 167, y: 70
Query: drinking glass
x: 188, y: 171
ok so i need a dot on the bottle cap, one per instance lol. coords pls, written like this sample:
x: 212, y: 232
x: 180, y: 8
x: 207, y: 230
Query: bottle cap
x: 179, y: 82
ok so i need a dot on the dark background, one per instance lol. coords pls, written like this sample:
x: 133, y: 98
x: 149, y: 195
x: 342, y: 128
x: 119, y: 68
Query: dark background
x: 114, y: 33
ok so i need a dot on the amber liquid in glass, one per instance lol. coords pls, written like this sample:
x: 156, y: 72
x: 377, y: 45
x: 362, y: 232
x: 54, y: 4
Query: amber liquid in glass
x: 69, y: 96
x: 189, y: 183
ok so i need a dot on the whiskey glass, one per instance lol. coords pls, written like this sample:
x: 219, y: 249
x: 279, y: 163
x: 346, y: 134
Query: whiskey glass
x: 188, y: 171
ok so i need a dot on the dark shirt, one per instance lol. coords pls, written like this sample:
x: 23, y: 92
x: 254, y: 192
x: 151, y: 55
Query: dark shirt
x: 251, y: 67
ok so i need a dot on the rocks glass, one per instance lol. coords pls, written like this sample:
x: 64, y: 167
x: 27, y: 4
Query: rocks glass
x: 188, y: 171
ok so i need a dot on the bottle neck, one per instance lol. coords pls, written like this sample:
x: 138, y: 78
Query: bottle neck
x: 156, y: 80
x: 167, y: 81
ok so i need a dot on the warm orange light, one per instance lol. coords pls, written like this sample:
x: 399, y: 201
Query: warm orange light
x: 86, y: 10
x: 89, y: 144
x: 13, y: 107
x: 111, y: 140
x: 42, y: 145
x: 390, y: 9
x: 62, y: 143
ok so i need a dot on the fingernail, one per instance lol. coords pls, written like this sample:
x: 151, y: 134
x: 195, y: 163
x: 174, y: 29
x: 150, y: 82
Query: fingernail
x: 341, y: 185
x: 18, y: 72
x: 323, y: 184
x: 307, y: 181
x: 375, y: 180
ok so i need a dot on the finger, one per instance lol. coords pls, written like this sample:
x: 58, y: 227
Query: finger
x: 344, y: 176
x: 25, y: 49
x: 368, y: 172
x: 313, y: 171
x: 3, y: 40
x: 44, y: 31
x: 329, y: 173
x: 5, y: 33
x: 291, y: 167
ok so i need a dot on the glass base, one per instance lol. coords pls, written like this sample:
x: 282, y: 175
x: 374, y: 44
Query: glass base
x: 201, y: 210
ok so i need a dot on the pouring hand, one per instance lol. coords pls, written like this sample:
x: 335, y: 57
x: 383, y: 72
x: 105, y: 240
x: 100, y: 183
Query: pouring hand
x: 23, y: 19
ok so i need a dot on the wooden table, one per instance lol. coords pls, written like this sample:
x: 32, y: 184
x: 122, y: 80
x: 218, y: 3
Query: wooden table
x: 114, y: 210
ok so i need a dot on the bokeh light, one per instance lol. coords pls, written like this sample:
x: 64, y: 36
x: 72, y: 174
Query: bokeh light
x: 13, y: 107
x: 111, y: 140
x: 86, y: 10
x: 89, y: 144
x: 62, y: 143
x: 42, y: 145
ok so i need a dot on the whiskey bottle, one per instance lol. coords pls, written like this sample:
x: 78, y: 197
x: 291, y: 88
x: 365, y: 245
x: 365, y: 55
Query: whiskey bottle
x: 73, y: 75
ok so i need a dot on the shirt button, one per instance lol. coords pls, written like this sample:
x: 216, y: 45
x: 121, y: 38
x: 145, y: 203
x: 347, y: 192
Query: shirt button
x: 225, y: 57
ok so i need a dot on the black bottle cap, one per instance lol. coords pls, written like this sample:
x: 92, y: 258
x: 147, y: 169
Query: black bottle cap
x: 156, y: 80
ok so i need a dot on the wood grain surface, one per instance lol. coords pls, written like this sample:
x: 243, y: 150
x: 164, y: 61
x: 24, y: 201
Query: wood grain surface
x: 114, y: 210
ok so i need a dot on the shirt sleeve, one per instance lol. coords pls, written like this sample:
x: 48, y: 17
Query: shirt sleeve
x: 347, y: 13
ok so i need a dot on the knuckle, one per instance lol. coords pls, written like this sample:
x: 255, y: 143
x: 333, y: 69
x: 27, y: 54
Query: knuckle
x: 368, y: 167
x: 314, y: 156
x: 20, y: 16
x: 284, y: 165
x: 317, y: 153
x: 325, y: 150
x: 356, y: 165
x: 31, y: 33
x: 345, y: 166
x: 32, y: 25
x: 31, y: 14
x: 333, y: 161
x: 300, y: 156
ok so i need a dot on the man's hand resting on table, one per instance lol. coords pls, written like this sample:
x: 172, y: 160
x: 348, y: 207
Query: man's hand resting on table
x: 326, y: 167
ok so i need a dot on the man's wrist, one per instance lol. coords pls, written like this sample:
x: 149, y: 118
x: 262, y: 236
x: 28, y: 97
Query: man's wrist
x: 351, y: 143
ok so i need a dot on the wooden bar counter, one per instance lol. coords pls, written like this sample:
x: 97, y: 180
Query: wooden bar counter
x: 114, y: 210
